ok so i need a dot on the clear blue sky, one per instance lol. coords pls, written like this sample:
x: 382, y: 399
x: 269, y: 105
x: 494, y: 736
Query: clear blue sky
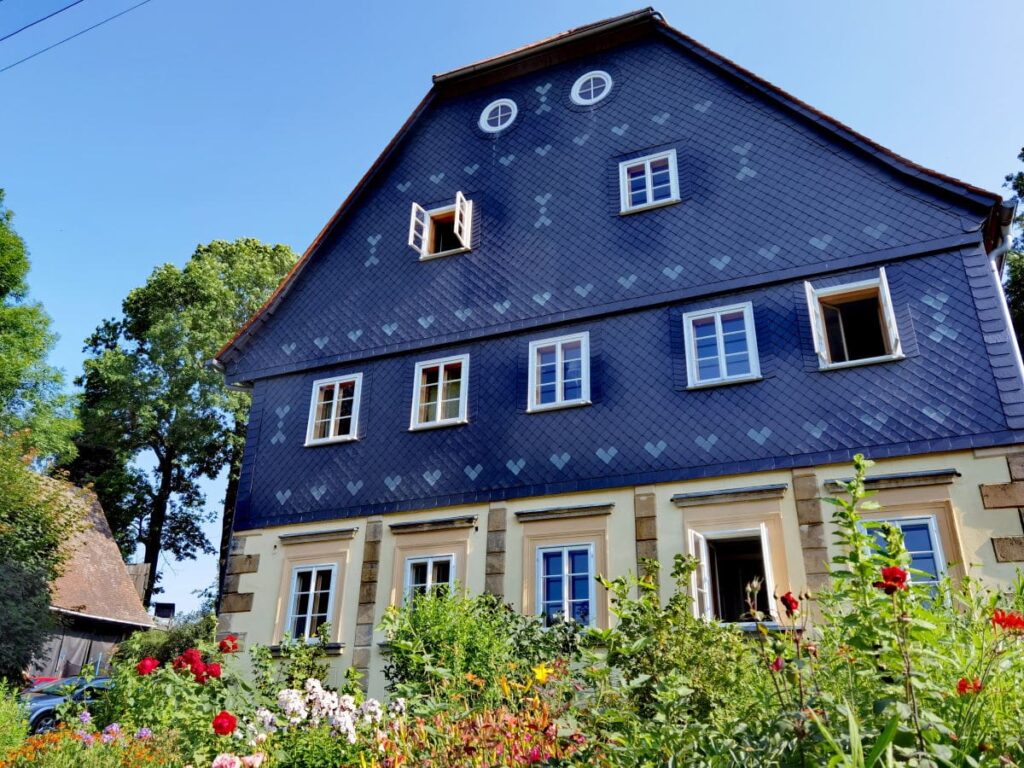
x: 192, y: 120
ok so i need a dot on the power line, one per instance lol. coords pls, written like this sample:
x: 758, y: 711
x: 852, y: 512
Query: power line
x: 77, y: 34
x: 40, y: 21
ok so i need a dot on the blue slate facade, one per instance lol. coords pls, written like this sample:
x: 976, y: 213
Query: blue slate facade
x: 770, y: 198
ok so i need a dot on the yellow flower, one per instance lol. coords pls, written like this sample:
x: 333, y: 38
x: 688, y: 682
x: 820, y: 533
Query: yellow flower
x: 504, y: 686
x: 542, y: 672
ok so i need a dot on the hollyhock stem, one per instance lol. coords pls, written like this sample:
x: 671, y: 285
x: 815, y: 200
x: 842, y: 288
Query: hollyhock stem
x: 908, y: 683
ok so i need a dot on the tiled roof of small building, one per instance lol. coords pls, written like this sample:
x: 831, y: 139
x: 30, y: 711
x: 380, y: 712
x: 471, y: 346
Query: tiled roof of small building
x: 95, y: 582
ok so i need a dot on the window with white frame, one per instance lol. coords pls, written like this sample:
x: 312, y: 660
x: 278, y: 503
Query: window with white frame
x: 727, y: 562
x: 565, y: 588
x: 854, y: 323
x: 649, y: 181
x: 334, y: 410
x: 559, y: 372
x: 498, y: 115
x: 721, y: 345
x: 591, y: 88
x: 442, y: 231
x: 440, y: 392
x: 921, y: 538
x: 312, y: 599
x: 425, y: 574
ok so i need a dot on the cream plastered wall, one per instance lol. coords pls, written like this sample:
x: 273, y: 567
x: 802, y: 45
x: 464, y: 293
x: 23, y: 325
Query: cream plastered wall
x: 967, y: 536
x: 974, y: 526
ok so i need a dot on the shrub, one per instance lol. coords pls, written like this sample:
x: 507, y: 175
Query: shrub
x: 447, y: 649
x: 188, y: 631
x: 13, y: 722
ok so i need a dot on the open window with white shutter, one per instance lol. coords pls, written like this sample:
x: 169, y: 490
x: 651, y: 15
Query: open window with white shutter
x: 729, y: 563
x: 441, y: 231
x: 853, y: 324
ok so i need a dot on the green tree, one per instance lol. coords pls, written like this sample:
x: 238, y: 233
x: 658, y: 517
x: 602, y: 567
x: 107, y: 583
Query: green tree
x: 32, y: 403
x: 150, y: 397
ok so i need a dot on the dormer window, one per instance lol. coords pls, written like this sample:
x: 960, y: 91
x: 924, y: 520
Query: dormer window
x: 853, y: 324
x: 441, y: 231
x: 648, y: 182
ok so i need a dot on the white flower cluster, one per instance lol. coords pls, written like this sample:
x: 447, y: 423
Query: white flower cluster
x: 315, y: 705
x: 293, y: 704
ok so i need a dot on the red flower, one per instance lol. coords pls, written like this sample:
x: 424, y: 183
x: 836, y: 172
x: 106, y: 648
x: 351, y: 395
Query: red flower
x: 192, y: 656
x: 229, y: 644
x: 224, y: 723
x: 778, y: 664
x: 791, y: 604
x: 213, y: 669
x: 199, y: 671
x: 147, y: 665
x: 1011, y: 621
x: 965, y: 686
x: 894, y: 579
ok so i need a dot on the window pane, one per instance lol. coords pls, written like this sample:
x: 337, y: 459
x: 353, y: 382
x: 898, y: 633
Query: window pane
x: 553, y: 563
x: 451, y: 409
x: 704, y: 327
x: 737, y: 365
x: 302, y: 604
x: 442, y: 571
x: 707, y: 369
x: 580, y: 588
x: 303, y: 580
x: 707, y: 348
x: 452, y: 388
x: 917, y: 537
x: 573, y: 390
x: 418, y: 573
x: 553, y: 589
x: 579, y: 561
x: 581, y: 612
x: 299, y: 626
x: 552, y: 613
x: 321, y: 603
x: 734, y: 343
x: 323, y: 580
x: 548, y: 393
x: 925, y: 563
x: 733, y: 323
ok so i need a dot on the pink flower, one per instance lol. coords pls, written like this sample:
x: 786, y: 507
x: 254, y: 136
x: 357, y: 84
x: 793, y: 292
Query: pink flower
x: 254, y: 760
x: 778, y: 664
x: 533, y: 756
x: 226, y: 760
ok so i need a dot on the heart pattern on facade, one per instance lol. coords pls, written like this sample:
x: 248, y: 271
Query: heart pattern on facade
x: 742, y: 149
x: 354, y: 335
x: 507, y: 160
x: 321, y: 341
x: 501, y: 307
x: 745, y: 172
x: 584, y: 290
x: 389, y: 328
x: 759, y: 436
x: 437, y: 178
x: 542, y: 151
x: 354, y: 487
x: 426, y: 321
x: 943, y: 332
x: 706, y: 443
x: 288, y: 348
x: 560, y: 459
x: 282, y: 411
x: 656, y: 449
x: 318, y: 491
x: 940, y: 415
x: 935, y: 300
x: 769, y: 253
x: 661, y: 119
x: 404, y: 186
x: 473, y: 472
x: 543, y: 89
x: 875, y: 231
x: 464, y: 314
x: 627, y: 281
x: 283, y: 496
x: 432, y: 476
x: 673, y: 273
x: 817, y: 430
x: 471, y: 169
x: 720, y: 263
x: 393, y: 482
x: 876, y: 421
x: 703, y: 106
x: 620, y: 130
x: 579, y: 141
x: 542, y: 200
x: 821, y: 243
x: 607, y: 454
x: 515, y: 466
x: 542, y: 298
x: 373, y: 240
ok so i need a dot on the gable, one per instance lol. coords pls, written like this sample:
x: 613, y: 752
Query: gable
x: 764, y: 192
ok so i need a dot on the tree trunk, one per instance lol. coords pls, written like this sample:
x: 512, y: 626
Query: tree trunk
x: 157, y: 517
x: 230, y: 497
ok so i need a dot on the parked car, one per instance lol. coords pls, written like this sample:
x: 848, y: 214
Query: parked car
x: 43, y: 699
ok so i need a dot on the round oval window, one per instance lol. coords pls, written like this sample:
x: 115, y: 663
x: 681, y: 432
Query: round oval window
x: 591, y: 88
x: 498, y: 115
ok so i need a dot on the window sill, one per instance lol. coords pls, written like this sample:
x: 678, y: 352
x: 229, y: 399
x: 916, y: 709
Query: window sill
x: 725, y: 382
x: 330, y: 441
x: 865, y: 361
x: 649, y: 206
x: 330, y: 649
x: 558, y: 406
x: 438, y: 425
x: 442, y: 254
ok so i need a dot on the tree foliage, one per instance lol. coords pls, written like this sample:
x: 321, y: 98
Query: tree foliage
x: 32, y: 403
x: 151, y: 399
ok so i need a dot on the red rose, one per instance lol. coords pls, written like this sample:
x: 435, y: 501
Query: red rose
x: 894, y: 579
x: 224, y: 723
x: 1010, y: 621
x: 778, y: 664
x: 147, y: 665
x: 965, y: 686
x: 229, y: 644
x: 213, y: 669
x: 791, y: 604
x: 199, y: 671
x: 192, y: 656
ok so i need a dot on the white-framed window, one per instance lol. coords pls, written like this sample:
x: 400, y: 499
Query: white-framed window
x: 853, y: 324
x: 921, y: 538
x: 424, y: 574
x: 559, y: 372
x: 647, y: 182
x: 498, y: 115
x: 442, y: 231
x: 565, y: 584
x: 311, y: 602
x: 727, y: 561
x: 334, y: 410
x: 591, y: 88
x: 440, y: 392
x: 721, y: 345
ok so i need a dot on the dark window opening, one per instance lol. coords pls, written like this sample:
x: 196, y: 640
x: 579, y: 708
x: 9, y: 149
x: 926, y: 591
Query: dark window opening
x: 442, y: 233
x: 734, y: 564
x: 854, y: 329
